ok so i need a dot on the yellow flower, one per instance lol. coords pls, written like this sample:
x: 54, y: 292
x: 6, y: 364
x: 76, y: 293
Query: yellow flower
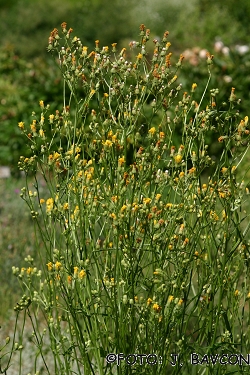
x: 69, y: 279
x: 182, y: 226
x: 84, y: 50
x: 173, y: 79
x: 58, y: 266
x: 42, y: 201
x: 224, y: 170
x: 192, y: 170
x: 135, y: 207
x: 75, y: 270
x: 21, y: 125
x: 123, y: 208
x: 66, y: 206
x: 170, y: 298
x: 70, y: 152
x: 89, y: 176
x: 76, y: 211
x: 41, y: 133
x: 50, y: 266
x: 152, y: 130
x: 178, y: 159
x: 51, y: 118
x: 158, y: 196
x: 33, y: 127
x: 41, y: 103
x: 214, y: 216
x: 121, y: 160
x: 108, y: 143
x: 146, y: 200
x: 222, y: 194
x: 139, y: 56
x: 49, y: 205
x: 122, y: 51
x: 157, y: 307
x: 81, y: 274
x: 162, y: 135
x: 149, y: 301
x: 194, y: 86
x: 29, y: 270
x: 224, y: 215
x: 56, y: 156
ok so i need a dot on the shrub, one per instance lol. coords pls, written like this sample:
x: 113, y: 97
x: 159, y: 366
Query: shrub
x: 144, y: 252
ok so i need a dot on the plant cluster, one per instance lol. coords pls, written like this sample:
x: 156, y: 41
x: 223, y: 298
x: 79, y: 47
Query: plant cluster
x: 26, y: 77
x: 145, y: 253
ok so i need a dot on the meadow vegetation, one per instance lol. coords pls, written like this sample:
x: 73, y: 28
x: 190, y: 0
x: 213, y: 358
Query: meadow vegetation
x: 28, y: 75
x: 132, y: 234
x: 142, y: 242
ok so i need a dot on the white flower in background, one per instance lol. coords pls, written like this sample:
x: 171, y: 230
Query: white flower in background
x: 242, y: 49
x: 218, y: 45
x: 203, y: 53
x: 227, y: 79
x: 225, y: 50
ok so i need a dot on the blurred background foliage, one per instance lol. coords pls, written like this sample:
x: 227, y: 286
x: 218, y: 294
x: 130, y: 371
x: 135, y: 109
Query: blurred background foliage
x: 28, y: 74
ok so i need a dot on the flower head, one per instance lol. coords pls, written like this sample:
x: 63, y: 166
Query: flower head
x: 149, y: 301
x: 157, y: 307
x: 152, y: 130
x: 178, y: 159
x: 81, y: 274
x: 170, y: 298
x: 21, y: 125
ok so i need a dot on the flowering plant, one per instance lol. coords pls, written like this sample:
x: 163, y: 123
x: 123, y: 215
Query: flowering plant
x: 145, y: 252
